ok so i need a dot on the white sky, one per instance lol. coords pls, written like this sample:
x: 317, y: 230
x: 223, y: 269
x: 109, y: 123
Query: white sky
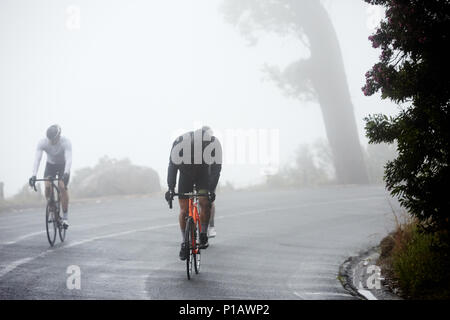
x: 136, y: 72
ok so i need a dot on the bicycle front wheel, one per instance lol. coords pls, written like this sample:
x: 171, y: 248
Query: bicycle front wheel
x: 62, y: 233
x: 188, y: 245
x: 50, y: 224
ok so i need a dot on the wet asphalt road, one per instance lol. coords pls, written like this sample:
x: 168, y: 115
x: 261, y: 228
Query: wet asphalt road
x: 269, y: 245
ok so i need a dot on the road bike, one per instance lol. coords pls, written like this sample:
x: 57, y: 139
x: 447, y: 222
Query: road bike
x: 53, y: 220
x: 192, y: 231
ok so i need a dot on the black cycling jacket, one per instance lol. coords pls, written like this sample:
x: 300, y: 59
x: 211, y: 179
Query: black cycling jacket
x: 193, y: 169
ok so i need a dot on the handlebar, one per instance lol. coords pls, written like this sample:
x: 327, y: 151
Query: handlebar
x: 188, y: 194
x: 45, y: 179
x: 191, y: 194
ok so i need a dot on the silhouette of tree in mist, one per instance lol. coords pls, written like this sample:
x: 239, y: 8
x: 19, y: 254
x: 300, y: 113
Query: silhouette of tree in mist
x: 321, y: 77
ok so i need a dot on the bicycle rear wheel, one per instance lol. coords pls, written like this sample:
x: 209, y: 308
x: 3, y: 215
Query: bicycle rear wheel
x: 188, y: 246
x: 196, y: 250
x: 62, y: 233
x: 50, y: 224
x: 62, y: 230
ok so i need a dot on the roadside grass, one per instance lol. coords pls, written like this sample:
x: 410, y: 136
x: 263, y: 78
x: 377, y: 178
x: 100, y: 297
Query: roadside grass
x: 416, y: 264
x: 17, y: 204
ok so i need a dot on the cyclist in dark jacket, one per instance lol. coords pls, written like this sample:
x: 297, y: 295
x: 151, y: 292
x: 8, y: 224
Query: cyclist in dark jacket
x: 198, y: 157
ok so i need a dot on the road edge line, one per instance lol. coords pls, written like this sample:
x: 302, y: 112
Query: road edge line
x: 349, y: 278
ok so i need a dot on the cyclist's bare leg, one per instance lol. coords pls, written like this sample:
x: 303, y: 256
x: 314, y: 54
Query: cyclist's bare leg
x: 48, y: 190
x: 184, y: 209
x: 64, y: 196
x: 205, y: 211
x: 212, y: 214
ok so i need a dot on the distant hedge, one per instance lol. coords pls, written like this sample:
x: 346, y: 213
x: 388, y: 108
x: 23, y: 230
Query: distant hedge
x: 114, y: 177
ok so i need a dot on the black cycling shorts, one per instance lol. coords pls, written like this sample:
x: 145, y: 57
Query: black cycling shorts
x: 186, y: 183
x: 54, y: 170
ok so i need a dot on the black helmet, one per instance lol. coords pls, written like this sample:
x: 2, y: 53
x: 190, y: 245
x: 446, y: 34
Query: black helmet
x: 53, y: 132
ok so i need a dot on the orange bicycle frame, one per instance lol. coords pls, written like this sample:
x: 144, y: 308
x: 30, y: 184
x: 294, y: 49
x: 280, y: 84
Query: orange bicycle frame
x: 193, y: 212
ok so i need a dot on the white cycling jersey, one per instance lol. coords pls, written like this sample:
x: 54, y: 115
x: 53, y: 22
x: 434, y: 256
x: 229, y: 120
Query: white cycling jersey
x: 58, y: 153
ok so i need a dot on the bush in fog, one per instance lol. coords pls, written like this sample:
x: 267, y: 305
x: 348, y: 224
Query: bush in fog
x: 307, y: 170
x: 26, y: 197
x: 311, y: 166
x: 114, y: 177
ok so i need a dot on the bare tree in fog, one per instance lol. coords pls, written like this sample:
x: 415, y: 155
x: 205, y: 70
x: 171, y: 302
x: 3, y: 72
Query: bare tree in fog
x: 321, y: 77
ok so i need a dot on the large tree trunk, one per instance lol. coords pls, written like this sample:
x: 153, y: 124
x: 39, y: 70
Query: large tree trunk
x: 341, y: 132
x: 330, y: 83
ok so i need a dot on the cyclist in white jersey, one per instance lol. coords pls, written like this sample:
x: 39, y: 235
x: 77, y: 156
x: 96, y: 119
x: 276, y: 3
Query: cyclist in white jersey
x: 59, y: 161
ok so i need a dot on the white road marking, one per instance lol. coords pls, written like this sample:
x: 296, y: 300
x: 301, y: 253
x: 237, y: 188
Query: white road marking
x: 296, y: 207
x: 14, y: 265
x: 77, y: 227
x: 321, y: 294
x: 10, y: 267
x: 22, y: 238
x: 231, y: 298
x: 367, y: 294
x: 118, y: 234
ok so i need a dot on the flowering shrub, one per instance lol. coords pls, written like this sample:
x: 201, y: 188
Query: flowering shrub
x: 413, y: 71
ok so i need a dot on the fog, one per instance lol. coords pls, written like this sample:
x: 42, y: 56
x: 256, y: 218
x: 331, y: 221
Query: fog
x: 123, y: 78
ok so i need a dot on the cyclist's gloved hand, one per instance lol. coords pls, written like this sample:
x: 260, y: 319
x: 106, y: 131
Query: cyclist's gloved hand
x: 65, y: 178
x: 169, y: 195
x: 211, y: 196
x: 32, y: 181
